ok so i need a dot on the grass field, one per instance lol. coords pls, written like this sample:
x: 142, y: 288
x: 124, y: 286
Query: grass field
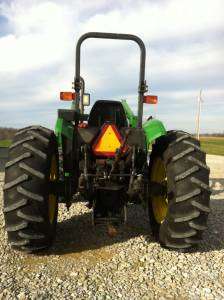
x: 5, y: 143
x: 211, y: 145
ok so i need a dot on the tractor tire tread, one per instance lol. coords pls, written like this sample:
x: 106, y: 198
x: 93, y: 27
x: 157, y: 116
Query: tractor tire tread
x: 201, y: 184
x: 26, y: 189
x: 29, y: 218
x: 179, y: 139
x: 16, y: 227
x: 192, y: 240
x: 29, y: 194
x: 16, y: 182
x: 193, y: 145
x: 198, y: 162
x: 17, y: 159
x: 196, y: 226
x: 34, y: 127
x: 181, y: 235
x: 190, y: 195
x: 177, y: 246
x: 35, y: 150
x: 39, y: 137
x: 187, y: 217
x: 186, y: 173
x: 182, y: 154
x: 15, y: 205
x: 188, y: 191
x: 32, y: 171
x: 18, y: 143
x: 201, y: 206
x: 31, y: 236
x: 19, y: 243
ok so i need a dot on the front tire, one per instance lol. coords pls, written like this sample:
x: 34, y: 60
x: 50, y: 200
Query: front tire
x: 30, y: 204
x: 179, y: 217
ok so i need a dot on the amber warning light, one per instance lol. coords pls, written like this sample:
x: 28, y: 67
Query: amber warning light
x: 67, y: 96
x: 150, y: 99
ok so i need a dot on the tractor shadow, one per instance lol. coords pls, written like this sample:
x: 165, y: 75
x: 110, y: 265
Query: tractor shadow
x: 77, y: 234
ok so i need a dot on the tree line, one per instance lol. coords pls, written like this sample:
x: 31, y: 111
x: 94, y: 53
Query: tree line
x: 7, y: 133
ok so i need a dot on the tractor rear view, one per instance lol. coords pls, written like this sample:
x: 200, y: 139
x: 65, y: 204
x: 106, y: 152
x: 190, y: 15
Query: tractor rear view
x: 103, y: 158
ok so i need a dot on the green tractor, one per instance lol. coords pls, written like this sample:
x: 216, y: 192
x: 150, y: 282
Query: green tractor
x: 103, y: 158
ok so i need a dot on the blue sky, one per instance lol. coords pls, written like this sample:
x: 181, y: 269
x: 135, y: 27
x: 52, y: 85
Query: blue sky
x: 185, y: 50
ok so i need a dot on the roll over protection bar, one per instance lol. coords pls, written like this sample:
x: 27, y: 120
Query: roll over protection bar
x: 142, y: 88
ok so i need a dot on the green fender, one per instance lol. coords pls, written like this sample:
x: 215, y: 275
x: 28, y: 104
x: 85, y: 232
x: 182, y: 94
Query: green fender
x: 153, y: 129
x: 129, y: 114
x: 65, y: 128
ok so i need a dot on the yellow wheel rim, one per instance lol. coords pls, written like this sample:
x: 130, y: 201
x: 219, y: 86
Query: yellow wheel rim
x: 52, y: 199
x: 160, y: 202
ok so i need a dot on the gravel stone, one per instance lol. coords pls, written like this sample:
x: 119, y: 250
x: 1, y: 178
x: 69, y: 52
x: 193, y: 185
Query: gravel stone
x: 85, y: 263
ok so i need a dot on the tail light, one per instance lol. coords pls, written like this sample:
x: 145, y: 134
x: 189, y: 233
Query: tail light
x: 67, y: 96
x: 150, y: 99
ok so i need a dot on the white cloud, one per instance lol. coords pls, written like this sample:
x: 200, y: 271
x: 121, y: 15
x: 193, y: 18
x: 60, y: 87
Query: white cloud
x: 37, y: 57
x: 41, y: 37
x: 166, y: 19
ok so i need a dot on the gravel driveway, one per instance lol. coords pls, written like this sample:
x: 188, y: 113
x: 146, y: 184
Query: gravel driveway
x: 87, y: 264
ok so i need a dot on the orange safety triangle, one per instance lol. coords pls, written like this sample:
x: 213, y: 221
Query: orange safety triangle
x: 108, y: 141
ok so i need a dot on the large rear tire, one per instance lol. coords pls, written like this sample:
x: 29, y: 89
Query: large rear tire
x: 179, y: 217
x: 30, y: 203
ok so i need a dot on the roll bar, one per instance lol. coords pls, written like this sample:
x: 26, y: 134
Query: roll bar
x: 115, y: 36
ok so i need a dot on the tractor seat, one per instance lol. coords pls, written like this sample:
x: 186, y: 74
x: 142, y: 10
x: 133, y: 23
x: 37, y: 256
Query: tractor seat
x: 107, y: 111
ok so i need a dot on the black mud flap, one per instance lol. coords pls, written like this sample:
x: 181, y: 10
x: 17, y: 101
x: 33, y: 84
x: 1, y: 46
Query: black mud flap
x: 109, y: 206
